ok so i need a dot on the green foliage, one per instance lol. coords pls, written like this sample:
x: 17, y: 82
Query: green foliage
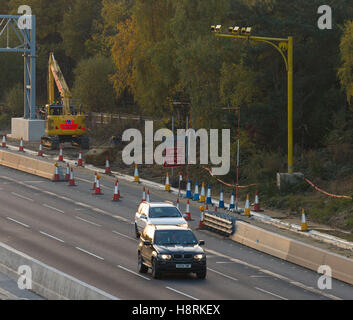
x: 92, y: 84
x: 346, y: 71
x: 14, y: 100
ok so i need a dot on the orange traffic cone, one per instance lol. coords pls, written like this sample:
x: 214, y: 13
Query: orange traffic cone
x: 167, y: 184
x: 148, y: 196
x: 95, y: 181
x: 143, y: 194
x: 56, y: 174
x: 177, y: 203
x: 3, y: 145
x: 67, y: 176
x: 187, y: 211
x: 107, y: 166
x: 79, y: 161
x: 201, y: 224
x: 98, y: 190
x: 61, y: 157
x: 21, y: 146
x: 40, y: 151
x: 72, y: 179
x: 257, y: 203
x: 116, y: 196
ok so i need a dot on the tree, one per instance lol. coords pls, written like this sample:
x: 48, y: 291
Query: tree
x: 346, y: 71
x: 14, y: 100
x: 92, y: 84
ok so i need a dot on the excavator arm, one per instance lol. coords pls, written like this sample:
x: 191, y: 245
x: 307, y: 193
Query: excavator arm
x: 55, y: 75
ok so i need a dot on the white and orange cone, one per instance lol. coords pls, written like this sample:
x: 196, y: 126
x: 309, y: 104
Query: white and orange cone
x: 136, y: 174
x: 247, y: 206
x: 257, y: 203
x: 177, y: 203
x: 107, y: 166
x: 72, y: 179
x: 143, y: 194
x: 304, y: 225
x: 95, y: 181
x: 98, y: 190
x: 56, y: 174
x: 40, y: 151
x: 202, y: 211
x: 148, y: 196
x: 21, y: 146
x: 187, y: 211
x: 79, y: 161
x: 61, y: 156
x: 67, y: 175
x: 3, y: 144
x: 167, y: 184
x: 116, y: 195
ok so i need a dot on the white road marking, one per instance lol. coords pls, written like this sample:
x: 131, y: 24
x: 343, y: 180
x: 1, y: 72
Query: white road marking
x: 50, y: 236
x: 182, y: 293
x: 260, y: 277
x: 223, y: 275
x: 53, y: 208
x: 22, y: 224
x: 273, y: 294
x: 275, y: 275
x: 123, y: 235
x: 21, y: 196
x: 90, y: 222
x: 90, y: 253
x: 133, y: 272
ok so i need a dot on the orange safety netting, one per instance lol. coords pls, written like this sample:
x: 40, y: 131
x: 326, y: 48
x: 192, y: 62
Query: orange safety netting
x: 324, y: 192
x: 227, y: 184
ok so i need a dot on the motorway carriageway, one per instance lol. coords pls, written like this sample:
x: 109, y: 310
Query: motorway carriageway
x: 92, y: 238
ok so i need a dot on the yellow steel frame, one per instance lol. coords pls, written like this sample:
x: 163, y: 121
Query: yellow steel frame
x: 282, y: 45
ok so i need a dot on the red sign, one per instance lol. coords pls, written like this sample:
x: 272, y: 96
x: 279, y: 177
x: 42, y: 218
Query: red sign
x: 69, y: 125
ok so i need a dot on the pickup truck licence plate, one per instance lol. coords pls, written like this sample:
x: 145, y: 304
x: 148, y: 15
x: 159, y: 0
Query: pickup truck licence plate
x: 183, y: 266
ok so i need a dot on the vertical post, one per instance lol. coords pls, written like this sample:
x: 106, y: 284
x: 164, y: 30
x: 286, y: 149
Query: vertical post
x: 33, y: 107
x: 173, y: 143
x: 290, y: 105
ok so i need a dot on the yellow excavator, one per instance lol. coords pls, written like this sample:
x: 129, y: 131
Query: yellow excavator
x: 63, y: 122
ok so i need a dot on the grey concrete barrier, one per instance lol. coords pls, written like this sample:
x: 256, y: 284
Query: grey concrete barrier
x: 293, y: 251
x: 28, y: 164
x: 47, y: 281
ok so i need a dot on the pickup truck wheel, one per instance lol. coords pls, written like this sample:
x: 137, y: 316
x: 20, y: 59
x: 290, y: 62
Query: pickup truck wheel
x: 155, y: 270
x: 140, y: 266
x: 137, y: 231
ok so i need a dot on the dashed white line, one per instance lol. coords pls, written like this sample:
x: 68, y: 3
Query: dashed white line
x: 21, y: 196
x: 133, y: 272
x: 90, y: 222
x: 18, y: 222
x: 222, y: 274
x: 90, y: 253
x: 182, y: 293
x: 273, y: 294
x: 53, y: 208
x: 123, y: 235
x: 50, y: 236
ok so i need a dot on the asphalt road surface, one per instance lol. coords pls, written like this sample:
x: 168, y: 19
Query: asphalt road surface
x: 92, y: 238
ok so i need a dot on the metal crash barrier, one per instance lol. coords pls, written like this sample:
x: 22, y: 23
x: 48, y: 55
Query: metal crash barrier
x: 221, y: 223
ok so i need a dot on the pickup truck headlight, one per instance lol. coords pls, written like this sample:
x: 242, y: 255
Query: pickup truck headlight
x: 165, y: 256
x: 199, y: 256
x: 184, y: 225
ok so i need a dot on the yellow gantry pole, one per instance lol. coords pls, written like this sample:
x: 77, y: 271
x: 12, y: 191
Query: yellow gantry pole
x: 290, y: 105
x: 289, y: 67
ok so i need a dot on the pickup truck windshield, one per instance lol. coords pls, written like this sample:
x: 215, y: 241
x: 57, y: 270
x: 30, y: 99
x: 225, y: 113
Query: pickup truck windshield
x: 164, y: 212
